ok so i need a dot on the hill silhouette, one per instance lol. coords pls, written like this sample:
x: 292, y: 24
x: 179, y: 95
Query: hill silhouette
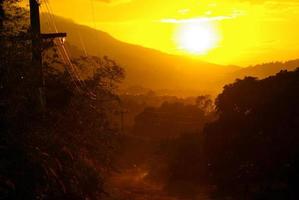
x: 266, y: 69
x: 144, y: 67
x: 152, y: 69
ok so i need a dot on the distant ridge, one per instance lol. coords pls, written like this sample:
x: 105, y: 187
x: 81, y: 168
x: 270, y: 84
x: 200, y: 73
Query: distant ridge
x: 266, y: 69
x: 144, y: 67
x: 156, y: 70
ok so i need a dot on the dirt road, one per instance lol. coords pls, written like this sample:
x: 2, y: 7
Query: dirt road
x: 132, y: 184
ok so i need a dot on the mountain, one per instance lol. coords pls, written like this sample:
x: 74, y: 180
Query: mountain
x: 144, y: 67
x: 150, y: 69
x: 266, y: 69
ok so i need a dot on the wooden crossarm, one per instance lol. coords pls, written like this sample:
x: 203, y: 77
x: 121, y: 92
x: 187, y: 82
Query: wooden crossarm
x: 43, y: 36
x: 53, y: 35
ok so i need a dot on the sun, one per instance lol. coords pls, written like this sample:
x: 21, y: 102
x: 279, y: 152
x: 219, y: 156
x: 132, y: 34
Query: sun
x: 197, y: 38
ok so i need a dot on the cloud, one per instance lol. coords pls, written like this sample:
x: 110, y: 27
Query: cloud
x: 281, y: 2
x: 196, y: 20
x: 114, y: 2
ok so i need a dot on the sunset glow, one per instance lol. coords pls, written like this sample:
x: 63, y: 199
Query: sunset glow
x: 149, y: 99
x: 197, y: 38
x: 218, y: 31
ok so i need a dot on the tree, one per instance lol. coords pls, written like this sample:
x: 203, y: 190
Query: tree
x: 63, y: 153
x: 169, y: 120
x: 252, y: 149
x: 205, y: 103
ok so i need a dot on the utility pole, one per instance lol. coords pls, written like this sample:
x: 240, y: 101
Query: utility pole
x: 37, y: 39
x: 122, y: 121
x: 37, y: 71
x: 1, y: 14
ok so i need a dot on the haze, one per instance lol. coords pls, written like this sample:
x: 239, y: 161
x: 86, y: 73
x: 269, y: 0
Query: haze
x: 243, y: 32
x: 149, y: 100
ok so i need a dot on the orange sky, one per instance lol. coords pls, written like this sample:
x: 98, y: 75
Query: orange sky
x: 224, y: 31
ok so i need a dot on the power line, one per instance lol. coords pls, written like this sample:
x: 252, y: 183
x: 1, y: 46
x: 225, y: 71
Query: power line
x: 65, y: 55
x: 61, y: 54
x: 63, y: 51
x: 74, y: 71
x: 93, y: 14
x: 82, y: 44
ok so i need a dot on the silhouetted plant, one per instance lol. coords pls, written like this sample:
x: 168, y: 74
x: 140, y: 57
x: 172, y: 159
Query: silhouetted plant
x: 251, y: 151
x: 63, y: 152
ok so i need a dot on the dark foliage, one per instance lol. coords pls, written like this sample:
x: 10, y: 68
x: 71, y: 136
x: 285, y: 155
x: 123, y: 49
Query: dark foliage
x: 169, y: 120
x: 184, y: 164
x: 251, y: 151
x: 63, y: 152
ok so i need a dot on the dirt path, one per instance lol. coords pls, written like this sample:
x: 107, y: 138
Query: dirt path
x: 132, y: 185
